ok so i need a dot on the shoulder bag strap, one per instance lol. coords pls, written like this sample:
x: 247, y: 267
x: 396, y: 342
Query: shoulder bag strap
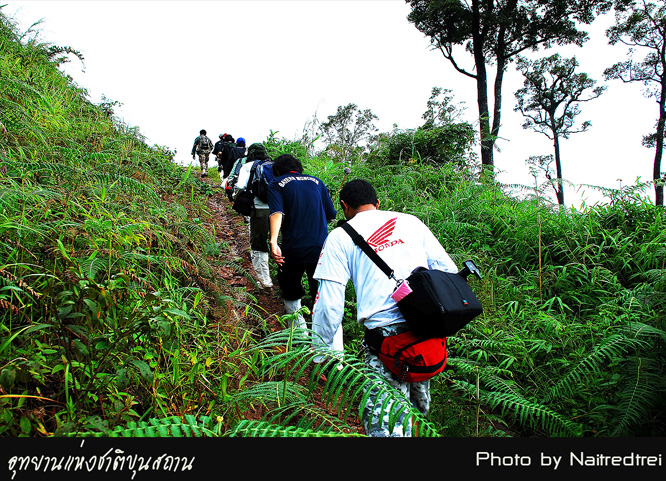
x: 360, y: 241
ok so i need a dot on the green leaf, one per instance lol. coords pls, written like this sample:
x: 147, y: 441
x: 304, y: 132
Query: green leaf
x: 177, y: 312
x: 25, y: 425
x: 144, y: 369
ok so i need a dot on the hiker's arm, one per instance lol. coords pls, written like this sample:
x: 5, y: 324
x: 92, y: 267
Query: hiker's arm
x: 327, y: 313
x: 275, y: 224
x: 328, y: 310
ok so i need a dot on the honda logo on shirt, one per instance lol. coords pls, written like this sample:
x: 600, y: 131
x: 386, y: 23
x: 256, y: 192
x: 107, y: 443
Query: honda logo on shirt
x: 380, y: 240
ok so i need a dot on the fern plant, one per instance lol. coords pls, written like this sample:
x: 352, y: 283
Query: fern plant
x: 169, y: 427
x: 288, y: 356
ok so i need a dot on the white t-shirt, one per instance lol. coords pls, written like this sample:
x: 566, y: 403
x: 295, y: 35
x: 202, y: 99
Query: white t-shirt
x: 401, y: 240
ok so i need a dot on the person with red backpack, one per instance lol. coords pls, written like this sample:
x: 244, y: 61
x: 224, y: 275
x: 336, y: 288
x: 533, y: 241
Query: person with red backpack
x: 404, y: 242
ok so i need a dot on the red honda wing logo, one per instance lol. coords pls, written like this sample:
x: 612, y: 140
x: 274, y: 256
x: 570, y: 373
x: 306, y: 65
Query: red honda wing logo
x: 380, y: 239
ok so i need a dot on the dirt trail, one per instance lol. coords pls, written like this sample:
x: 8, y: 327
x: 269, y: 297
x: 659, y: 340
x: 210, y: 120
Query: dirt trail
x: 231, y: 228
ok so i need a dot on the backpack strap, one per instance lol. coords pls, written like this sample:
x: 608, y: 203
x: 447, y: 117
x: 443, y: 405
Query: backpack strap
x: 360, y: 241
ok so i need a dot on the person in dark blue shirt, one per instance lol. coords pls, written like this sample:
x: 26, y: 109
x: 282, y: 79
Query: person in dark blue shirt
x: 300, y: 209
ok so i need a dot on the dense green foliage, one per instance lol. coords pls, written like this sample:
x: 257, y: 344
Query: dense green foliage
x: 449, y: 143
x: 572, y: 338
x: 107, y: 268
x: 114, y: 320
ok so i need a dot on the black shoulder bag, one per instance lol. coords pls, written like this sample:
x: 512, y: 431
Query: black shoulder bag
x: 437, y: 303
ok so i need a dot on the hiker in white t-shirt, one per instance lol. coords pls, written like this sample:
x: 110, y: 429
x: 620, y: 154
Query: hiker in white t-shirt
x: 405, y: 243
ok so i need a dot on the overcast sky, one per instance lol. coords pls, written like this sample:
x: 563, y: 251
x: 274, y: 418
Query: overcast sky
x: 248, y: 67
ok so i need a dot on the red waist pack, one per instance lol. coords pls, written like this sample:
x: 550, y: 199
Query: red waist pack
x: 408, y: 357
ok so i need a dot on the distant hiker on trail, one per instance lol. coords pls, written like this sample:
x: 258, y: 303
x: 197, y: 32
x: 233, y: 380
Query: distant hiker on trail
x: 202, y: 147
x: 217, y: 151
x: 224, y: 164
x: 222, y: 151
x: 404, y: 243
x: 300, y: 209
x: 258, y: 219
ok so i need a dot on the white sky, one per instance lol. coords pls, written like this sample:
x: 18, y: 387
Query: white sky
x: 248, y: 67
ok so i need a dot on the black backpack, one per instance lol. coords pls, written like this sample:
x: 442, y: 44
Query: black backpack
x: 226, y: 151
x: 204, y: 143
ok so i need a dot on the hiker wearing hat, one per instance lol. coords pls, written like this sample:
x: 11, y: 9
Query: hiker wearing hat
x: 202, y: 147
x: 404, y: 242
x: 300, y: 209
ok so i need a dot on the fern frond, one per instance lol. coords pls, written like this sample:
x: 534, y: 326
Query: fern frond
x: 488, y: 375
x: 265, y: 429
x: 307, y: 415
x: 240, y: 270
x: 642, y: 329
x: 527, y: 413
x: 642, y: 396
x: 126, y: 183
x: 273, y: 393
x: 611, y: 348
x: 160, y: 428
x: 196, y: 233
x: 91, y: 266
x: 349, y: 382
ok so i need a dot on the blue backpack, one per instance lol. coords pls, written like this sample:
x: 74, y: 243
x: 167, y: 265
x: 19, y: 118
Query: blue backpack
x: 261, y: 175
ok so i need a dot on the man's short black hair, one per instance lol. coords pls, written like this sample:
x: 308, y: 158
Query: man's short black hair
x: 286, y: 163
x: 358, y: 192
x: 202, y: 132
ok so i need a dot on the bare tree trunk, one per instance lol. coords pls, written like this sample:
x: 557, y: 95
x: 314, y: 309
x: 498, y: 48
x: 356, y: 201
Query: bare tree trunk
x: 486, y: 140
x: 497, y: 88
x: 558, y: 165
x: 659, y: 151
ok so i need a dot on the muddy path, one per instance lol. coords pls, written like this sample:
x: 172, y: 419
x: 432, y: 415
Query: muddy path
x: 232, y: 230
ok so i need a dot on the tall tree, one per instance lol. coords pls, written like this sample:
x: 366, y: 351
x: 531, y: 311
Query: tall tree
x: 441, y: 112
x: 494, y: 32
x: 642, y: 26
x: 550, y: 102
x: 345, y: 130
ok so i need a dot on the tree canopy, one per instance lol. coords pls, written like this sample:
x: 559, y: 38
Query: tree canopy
x: 347, y: 128
x: 494, y: 33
